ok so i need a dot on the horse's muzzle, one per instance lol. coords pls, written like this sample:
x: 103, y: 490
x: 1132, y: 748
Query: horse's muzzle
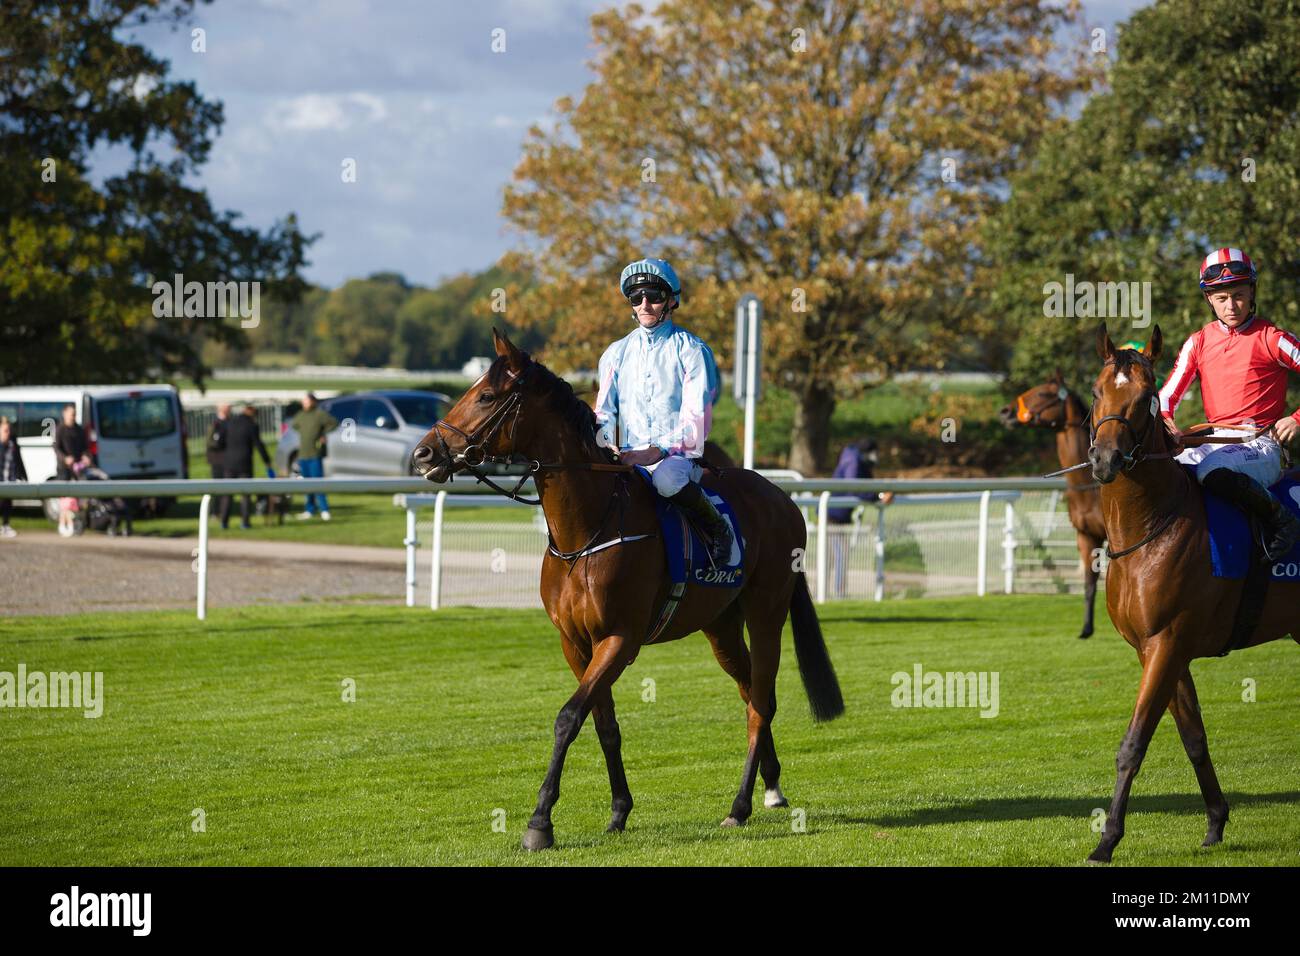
x: 1105, y: 463
x: 424, y: 464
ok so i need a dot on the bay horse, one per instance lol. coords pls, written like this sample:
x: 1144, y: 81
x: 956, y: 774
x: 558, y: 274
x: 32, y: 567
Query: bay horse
x: 609, y: 580
x: 1052, y: 405
x: 1160, y: 590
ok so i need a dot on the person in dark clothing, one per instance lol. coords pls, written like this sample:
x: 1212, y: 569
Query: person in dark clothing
x: 242, y: 438
x: 216, y: 451
x: 71, y: 446
x: 11, y: 469
x: 857, y: 460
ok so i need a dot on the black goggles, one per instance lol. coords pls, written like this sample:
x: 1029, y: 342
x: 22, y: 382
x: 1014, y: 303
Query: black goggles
x: 653, y: 296
x: 1236, y: 269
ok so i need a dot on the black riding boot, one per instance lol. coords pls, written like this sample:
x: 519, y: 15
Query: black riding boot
x: 1281, y: 528
x: 696, y: 504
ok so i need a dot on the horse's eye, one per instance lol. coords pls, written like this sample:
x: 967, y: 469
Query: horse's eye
x: 486, y: 398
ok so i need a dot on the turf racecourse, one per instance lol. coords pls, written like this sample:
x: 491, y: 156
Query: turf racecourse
x: 449, y: 734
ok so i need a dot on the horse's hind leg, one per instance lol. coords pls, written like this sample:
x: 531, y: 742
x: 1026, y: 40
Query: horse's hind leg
x: 765, y: 614
x: 1187, y: 715
x: 726, y: 636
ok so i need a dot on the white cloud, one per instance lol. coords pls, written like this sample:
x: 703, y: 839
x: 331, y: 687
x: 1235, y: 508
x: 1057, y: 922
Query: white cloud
x: 326, y: 111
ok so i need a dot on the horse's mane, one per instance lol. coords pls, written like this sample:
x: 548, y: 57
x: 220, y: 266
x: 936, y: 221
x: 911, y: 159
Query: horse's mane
x: 562, y: 400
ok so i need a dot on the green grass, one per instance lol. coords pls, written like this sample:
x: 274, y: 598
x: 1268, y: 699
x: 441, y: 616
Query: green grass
x: 243, y: 717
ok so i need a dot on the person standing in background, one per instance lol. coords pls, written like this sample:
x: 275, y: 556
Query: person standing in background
x: 312, y: 424
x: 71, y: 446
x: 11, y: 469
x: 857, y: 460
x: 242, y: 438
x: 216, y: 450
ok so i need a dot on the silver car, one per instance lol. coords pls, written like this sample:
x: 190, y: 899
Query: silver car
x: 377, y: 433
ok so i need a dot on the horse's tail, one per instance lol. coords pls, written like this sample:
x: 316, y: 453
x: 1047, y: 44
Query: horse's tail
x: 815, y: 668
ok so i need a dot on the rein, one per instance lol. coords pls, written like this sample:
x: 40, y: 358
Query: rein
x: 473, y: 456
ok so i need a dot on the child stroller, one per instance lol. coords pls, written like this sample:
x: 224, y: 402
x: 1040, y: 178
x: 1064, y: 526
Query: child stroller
x: 112, y: 515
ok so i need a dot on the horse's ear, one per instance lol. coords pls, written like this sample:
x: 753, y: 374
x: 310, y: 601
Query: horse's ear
x: 1105, y: 347
x: 514, y: 358
x: 1152, y: 349
x: 1060, y: 379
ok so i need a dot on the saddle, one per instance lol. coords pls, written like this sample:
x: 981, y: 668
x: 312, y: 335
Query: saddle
x: 1237, y: 552
x: 687, y: 553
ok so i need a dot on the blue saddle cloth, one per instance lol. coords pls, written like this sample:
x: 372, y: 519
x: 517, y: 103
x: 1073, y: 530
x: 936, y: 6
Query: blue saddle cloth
x: 1230, y: 539
x: 679, y: 535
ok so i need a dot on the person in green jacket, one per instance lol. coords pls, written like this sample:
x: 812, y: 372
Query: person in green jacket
x: 312, y: 424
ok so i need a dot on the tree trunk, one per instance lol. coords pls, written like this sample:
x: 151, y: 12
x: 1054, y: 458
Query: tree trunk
x: 812, y: 428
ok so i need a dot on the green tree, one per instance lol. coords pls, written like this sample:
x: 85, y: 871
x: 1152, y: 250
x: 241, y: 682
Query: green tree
x: 835, y: 157
x: 356, y: 322
x: 77, y: 260
x: 1193, y: 146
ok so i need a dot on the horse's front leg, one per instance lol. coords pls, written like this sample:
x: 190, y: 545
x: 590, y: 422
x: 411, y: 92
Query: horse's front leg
x: 608, y: 660
x: 1161, y: 671
x: 611, y: 742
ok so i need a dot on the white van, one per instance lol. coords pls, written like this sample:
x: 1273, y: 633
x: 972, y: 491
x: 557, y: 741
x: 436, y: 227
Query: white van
x: 135, y: 431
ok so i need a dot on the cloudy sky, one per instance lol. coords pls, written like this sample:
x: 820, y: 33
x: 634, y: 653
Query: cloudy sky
x: 411, y: 90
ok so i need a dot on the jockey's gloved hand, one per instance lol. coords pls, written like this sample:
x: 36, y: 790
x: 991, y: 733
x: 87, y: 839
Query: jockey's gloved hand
x: 605, y: 438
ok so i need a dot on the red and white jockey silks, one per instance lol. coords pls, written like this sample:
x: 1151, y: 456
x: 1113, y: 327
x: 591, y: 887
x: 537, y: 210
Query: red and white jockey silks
x: 1242, y: 372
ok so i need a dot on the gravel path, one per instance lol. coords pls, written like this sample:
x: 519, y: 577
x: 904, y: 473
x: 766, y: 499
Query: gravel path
x: 45, y: 574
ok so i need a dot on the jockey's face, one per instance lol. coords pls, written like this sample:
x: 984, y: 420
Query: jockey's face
x: 1232, y: 304
x: 649, y: 314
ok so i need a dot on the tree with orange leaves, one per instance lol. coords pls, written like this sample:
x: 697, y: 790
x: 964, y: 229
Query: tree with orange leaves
x: 836, y: 158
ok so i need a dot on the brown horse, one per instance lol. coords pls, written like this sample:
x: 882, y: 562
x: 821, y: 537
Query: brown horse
x: 1160, y: 590
x: 608, y: 582
x: 1052, y: 405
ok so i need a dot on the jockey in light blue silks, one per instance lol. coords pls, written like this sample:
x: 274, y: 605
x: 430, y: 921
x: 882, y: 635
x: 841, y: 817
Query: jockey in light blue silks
x: 658, y: 384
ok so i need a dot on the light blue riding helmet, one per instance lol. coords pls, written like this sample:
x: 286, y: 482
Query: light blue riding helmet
x: 650, y: 272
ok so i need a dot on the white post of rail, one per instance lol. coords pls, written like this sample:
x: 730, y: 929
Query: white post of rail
x: 982, y: 558
x: 880, y: 552
x: 435, y: 576
x: 412, y: 544
x: 751, y: 378
x: 823, y: 502
x: 1009, y: 549
x: 204, y: 507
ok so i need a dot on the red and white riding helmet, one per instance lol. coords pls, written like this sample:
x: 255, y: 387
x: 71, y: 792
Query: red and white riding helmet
x: 1224, y: 267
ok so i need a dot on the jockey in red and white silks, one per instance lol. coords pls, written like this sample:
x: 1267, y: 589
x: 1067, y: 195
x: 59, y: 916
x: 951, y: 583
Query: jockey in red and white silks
x: 1242, y: 370
x: 1242, y: 362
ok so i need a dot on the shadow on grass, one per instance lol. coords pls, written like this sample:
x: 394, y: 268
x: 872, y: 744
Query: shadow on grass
x: 896, y: 619
x: 1031, y: 808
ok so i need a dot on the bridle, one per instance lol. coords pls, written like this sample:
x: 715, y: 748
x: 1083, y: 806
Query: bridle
x: 1138, y: 453
x: 473, y: 456
x: 1135, y: 457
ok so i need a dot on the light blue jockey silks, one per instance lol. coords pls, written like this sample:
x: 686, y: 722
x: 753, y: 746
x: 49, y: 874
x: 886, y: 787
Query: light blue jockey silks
x: 659, y: 385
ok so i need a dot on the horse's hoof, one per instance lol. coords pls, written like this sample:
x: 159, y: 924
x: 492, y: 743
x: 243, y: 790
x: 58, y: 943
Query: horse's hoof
x: 1213, y: 840
x: 615, y: 826
x: 733, y: 822
x: 1099, y: 856
x: 1085, y: 635
x: 535, y: 839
